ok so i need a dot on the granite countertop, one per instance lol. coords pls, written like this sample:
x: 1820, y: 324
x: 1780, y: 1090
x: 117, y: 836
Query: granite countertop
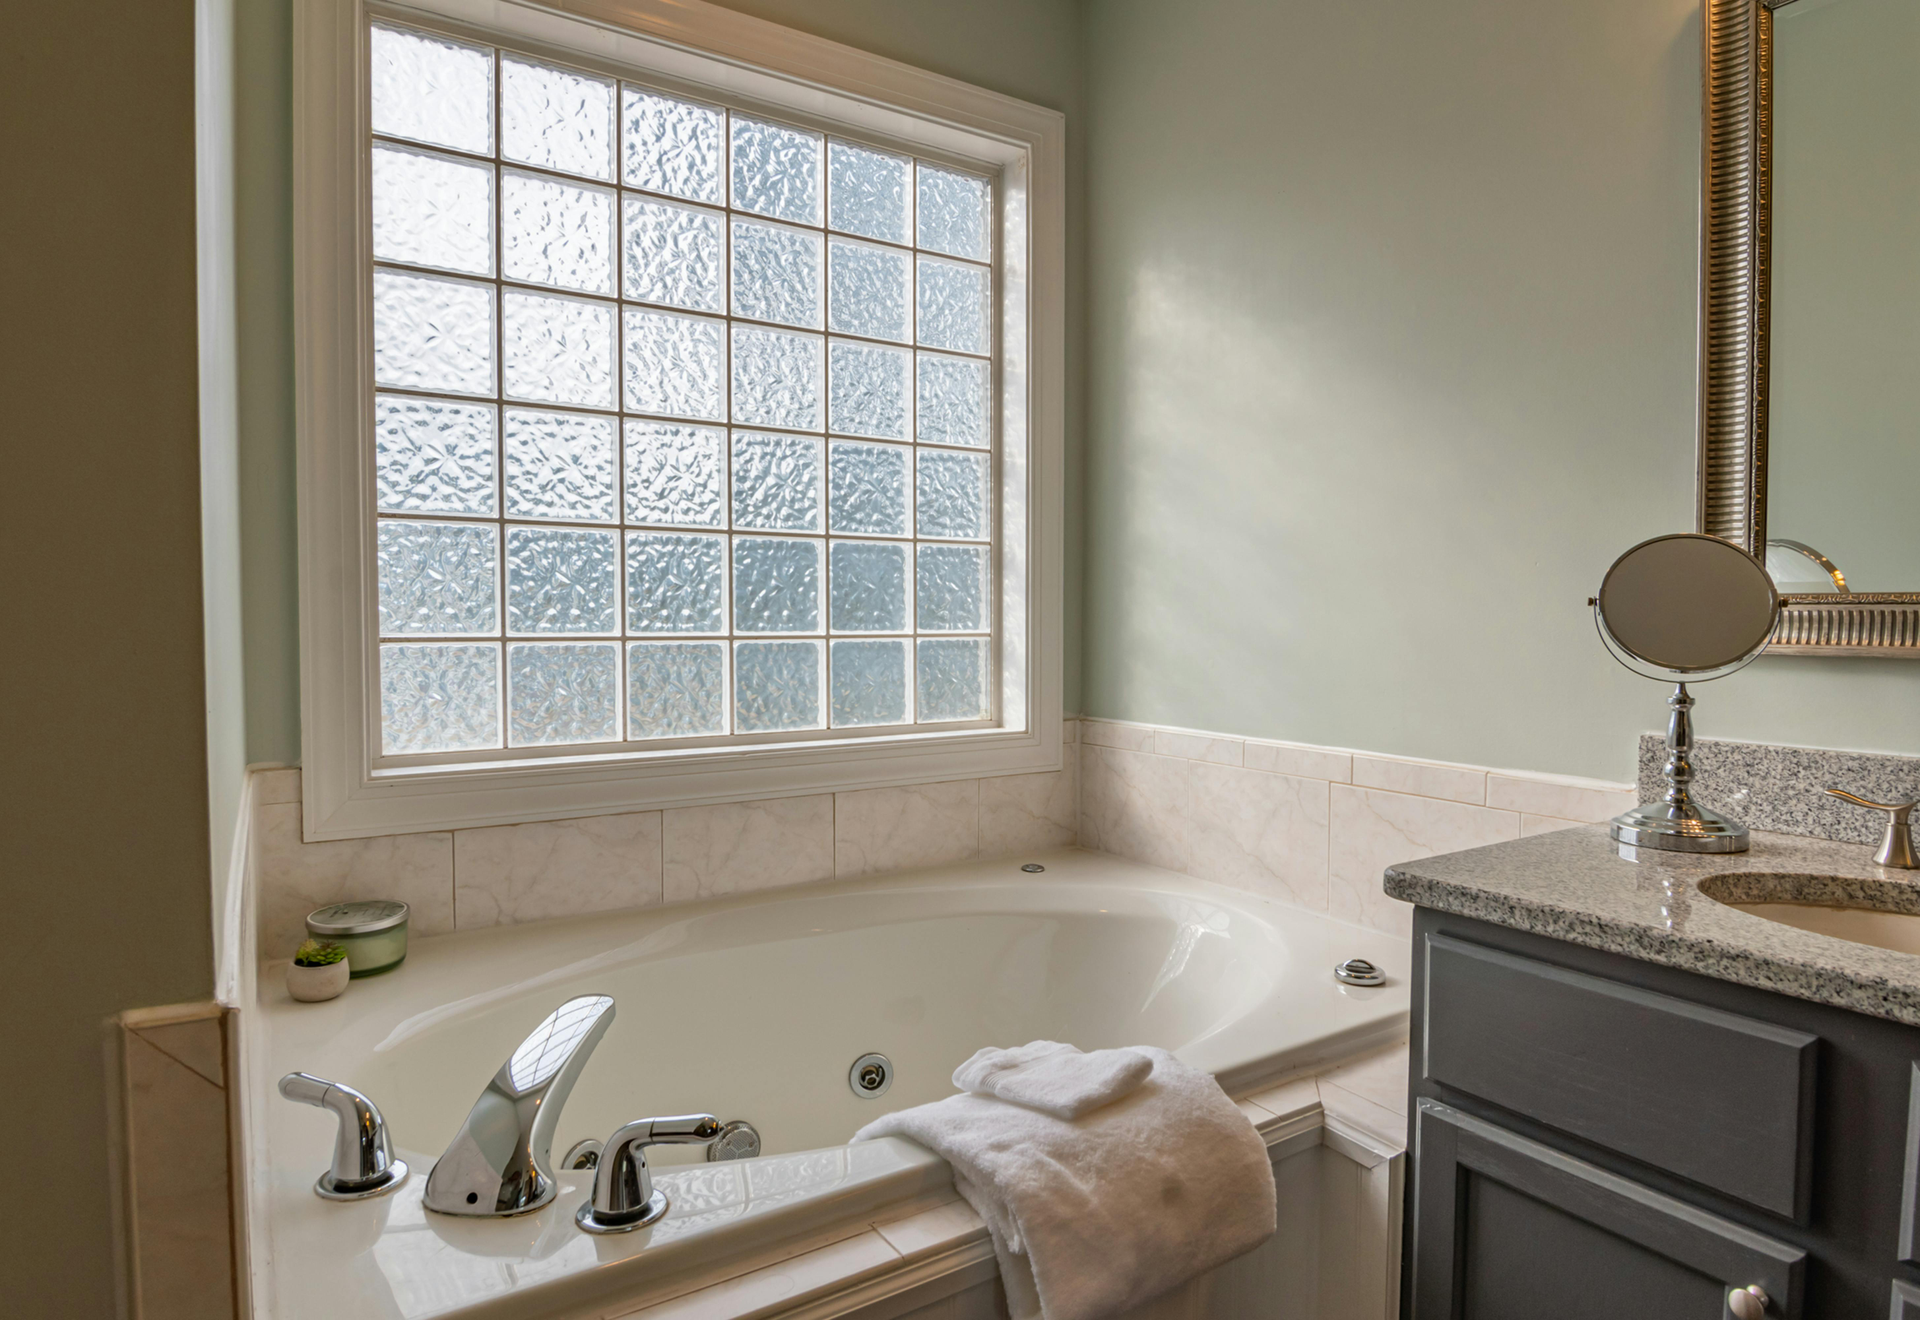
x: 1573, y: 885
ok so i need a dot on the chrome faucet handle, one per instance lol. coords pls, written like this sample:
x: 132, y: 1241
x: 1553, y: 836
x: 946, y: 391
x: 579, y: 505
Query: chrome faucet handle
x: 501, y: 1161
x: 363, y: 1163
x: 1896, y: 849
x: 624, y: 1197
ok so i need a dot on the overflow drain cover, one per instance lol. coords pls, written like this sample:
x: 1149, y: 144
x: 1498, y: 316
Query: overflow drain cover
x: 1033, y: 868
x: 1358, y: 971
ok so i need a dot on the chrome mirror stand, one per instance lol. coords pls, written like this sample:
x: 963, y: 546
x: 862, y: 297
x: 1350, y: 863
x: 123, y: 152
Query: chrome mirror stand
x: 1677, y: 823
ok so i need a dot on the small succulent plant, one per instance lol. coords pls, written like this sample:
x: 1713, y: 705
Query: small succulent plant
x: 318, y: 953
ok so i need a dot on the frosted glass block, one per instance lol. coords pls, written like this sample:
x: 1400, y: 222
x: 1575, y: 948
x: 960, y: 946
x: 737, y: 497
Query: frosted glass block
x: 432, y: 457
x: 869, y: 681
x: 676, y: 689
x: 555, y: 118
x: 560, y: 465
x: 670, y: 146
x: 950, y: 588
x: 776, y: 274
x: 869, y: 291
x: 776, y: 378
x: 953, y: 406
x: 556, y: 233
x: 955, y: 212
x: 561, y: 581
x: 439, y: 698
x: 438, y: 578
x: 558, y: 350
x: 867, y: 489
x: 676, y: 583
x: 430, y: 89
x: 776, y: 685
x: 674, y: 475
x: 776, y: 585
x: 867, y: 389
x: 867, y: 192
x: 432, y: 334
x: 565, y: 692
x: 674, y: 365
x: 953, y: 495
x: 868, y: 586
x: 673, y: 255
x: 432, y: 211
x: 952, y: 306
x: 776, y: 482
x: 950, y: 680
x: 776, y: 171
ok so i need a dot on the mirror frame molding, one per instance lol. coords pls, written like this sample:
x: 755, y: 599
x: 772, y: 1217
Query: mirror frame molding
x: 1735, y: 315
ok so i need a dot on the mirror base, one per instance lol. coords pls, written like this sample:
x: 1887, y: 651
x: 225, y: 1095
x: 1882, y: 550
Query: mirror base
x: 1666, y: 828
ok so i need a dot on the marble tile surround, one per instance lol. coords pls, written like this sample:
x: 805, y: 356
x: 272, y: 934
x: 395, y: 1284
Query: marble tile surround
x: 173, y: 1142
x: 1311, y: 826
x: 1783, y: 789
x: 499, y: 875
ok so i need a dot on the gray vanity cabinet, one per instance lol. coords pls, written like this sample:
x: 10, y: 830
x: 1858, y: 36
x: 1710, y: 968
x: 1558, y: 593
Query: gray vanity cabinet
x: 1595, y: 1136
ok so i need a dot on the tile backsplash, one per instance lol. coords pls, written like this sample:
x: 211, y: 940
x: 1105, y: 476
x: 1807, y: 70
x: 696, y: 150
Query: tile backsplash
x: 1310, y: 826
x: 499, y: 875
x: 1770, y: 787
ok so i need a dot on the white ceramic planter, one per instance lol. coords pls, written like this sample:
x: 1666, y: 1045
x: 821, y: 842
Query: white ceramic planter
x: 310, y: 985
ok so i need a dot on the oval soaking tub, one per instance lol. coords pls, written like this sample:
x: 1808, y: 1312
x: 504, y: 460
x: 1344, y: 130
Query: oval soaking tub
x: 755, y: 1008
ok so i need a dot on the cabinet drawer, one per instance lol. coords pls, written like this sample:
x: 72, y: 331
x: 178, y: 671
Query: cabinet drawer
x: 1722, y: 1100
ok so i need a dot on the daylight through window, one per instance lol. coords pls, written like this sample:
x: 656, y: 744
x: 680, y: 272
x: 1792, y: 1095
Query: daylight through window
x: 682, y: 420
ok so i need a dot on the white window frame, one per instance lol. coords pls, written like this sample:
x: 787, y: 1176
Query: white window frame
x: 699, y: 47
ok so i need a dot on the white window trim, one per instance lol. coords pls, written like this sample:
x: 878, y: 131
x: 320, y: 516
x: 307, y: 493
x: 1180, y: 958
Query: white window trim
x: 730, y: 55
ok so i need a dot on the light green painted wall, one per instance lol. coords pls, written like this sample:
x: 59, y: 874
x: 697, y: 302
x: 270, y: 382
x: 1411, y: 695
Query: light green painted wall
x: 1843, y: 443
x: 1391, y: 351
x: 1025, y: 48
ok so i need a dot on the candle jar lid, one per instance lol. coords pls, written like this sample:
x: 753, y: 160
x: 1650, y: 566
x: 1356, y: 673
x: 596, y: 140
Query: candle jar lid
x: 363, y: 918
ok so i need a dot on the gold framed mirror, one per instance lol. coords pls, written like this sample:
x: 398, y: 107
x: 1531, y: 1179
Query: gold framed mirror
x: 1849, y: 609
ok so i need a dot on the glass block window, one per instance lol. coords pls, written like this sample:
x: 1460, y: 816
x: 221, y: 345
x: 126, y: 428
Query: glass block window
x: 682, y: 419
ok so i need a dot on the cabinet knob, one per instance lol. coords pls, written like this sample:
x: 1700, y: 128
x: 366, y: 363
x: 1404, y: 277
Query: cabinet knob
x: 1748, y: 1303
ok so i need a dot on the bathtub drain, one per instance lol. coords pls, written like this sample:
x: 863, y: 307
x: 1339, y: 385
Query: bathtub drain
x: 870, y: 1075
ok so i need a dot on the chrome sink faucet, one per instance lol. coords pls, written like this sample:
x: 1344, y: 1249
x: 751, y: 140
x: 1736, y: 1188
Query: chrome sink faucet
x: 501, y: 1163
x: 1896, y: 848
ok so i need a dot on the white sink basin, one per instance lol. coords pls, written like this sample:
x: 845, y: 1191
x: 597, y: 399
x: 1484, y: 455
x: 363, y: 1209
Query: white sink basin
x: 1883, y: 913
x: 1899, y: 931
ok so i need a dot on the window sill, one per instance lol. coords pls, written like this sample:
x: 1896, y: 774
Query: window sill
x: 480, y: 793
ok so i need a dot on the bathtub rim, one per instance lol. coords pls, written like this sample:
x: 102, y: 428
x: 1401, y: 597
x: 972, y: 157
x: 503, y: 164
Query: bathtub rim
x: 898, y: 1195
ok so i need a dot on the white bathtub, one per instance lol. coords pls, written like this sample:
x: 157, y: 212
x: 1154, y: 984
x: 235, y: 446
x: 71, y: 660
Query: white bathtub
x: 754, y: 1008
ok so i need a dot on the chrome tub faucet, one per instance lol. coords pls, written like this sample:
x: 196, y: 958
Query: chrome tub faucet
x: 363, y: 1163
x: 501, y: 1162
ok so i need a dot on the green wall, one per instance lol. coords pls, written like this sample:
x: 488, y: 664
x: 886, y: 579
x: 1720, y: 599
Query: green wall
x: 1025, y: 48
x: 1391, y: 351
x: 103, y: 778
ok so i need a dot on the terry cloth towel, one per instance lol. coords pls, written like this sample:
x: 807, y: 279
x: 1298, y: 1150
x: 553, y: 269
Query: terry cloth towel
x: 1093, y: 1217
x: 1054, y: 1078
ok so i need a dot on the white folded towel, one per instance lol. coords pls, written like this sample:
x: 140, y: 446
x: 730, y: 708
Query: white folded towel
x: 1093, y: 1217
x: 1055, y: 1078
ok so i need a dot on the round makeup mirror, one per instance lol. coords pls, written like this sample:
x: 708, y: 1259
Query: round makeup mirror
x: 1684, y: 609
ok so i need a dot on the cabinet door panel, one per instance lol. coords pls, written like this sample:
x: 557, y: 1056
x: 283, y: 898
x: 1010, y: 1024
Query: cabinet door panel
x: 1506, y: 1228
